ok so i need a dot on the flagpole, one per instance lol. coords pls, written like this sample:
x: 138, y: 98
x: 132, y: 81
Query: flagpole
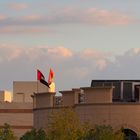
x: 37, y: 86
x: 37, y: 82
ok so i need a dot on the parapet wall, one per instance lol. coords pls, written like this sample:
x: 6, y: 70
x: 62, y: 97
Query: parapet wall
x: 117, y: 115
x: 97, y: 108
x: 18, y: 115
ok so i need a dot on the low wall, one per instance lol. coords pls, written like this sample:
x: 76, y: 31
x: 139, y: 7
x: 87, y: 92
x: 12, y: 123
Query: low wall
x: 117, y: 115
x: 18, y: 115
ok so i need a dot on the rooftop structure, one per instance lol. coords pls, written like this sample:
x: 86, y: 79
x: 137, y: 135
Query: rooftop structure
x: 18, y: 112
x: 22, y: 90
x: 125, y: 90
x: 95, y: 104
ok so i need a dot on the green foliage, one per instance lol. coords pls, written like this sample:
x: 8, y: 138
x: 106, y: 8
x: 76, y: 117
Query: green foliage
x: 104, y: 132
x: 34, y: 135
x: 85, y: 131
x: 63, y: 125
x: 119, y: 135
x: 6, y: 133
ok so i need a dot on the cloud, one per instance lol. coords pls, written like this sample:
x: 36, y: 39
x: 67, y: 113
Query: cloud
x: 2, y: 17
x: 92, y: 16
x: 18, y: 6
x: 32, y: 18
x: 91, y: 53
x: 24, y: 30
x: 72, y: 69
x: 18, y: 63
x: 89, y: 16
x: 101, y: 64
x: 125, y: 66
x: 105, y: 17
x: 61, y: 51
x: 133, y: 52
x: 9, y: 52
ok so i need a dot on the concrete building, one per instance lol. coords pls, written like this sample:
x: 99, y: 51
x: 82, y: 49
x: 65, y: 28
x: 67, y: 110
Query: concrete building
x: 125, y: 90
x: 18, y: 115
x: 16, y: 108
x: 22, y: 90
x: 109, y: 102
x: 96, y: 104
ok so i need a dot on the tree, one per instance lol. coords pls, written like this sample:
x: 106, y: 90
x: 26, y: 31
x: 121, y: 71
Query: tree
x: 103, y: 132
x: 34, y: 135
x: 6, y: 133
x: 63, y: 125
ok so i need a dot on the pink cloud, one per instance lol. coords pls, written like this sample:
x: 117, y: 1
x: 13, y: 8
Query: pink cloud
x: 2, y: 17
x: 93, y: 16
x: 133, y: 52
x: 9, y: 52
x: 32, y: 18
x: 101, y: 64
x: 92, y: 53
x: 60, y: 51
x: 24, y: 30
x: 18, y: 6
x: 106, y: 17
x: 90, y: 16
x: 136, y: 51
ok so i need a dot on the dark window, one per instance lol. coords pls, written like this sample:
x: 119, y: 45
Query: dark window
x: 127, y: 94
x: 81, y: 97
x: 130, y: 134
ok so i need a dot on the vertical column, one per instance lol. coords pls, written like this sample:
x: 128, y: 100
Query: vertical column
x: 34, y: 100
x: 121, y: 96
x: 133, y: 91
x: 139, y: 95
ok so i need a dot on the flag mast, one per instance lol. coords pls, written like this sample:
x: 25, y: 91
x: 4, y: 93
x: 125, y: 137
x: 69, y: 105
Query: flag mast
x: 37, y: 81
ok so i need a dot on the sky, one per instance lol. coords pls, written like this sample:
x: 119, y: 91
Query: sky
x: 80, y: 40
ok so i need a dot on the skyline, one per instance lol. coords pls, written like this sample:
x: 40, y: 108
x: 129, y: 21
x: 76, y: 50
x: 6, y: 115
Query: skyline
x: 80, y: 40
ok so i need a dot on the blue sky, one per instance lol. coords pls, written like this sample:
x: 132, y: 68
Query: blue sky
x: 79, y: 39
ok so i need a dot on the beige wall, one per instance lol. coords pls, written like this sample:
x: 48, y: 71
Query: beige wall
x: 16, y: 119
x: 116, y: 115
x: 68, y: 98
x: 18, y: 115
x: 22, y: 90
x: 12, y: 105
x: 97, y: 109
x: 44, y: 99
x: 98, y: 95
x: 91, y: 95
x: 19, y: 112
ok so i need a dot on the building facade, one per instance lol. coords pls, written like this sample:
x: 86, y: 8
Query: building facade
x: 94, y: 104
x: 106, y: 102
x: 22, y: 90
x: 18, y: 115
x: 124, y: 91
x: 16, y: 108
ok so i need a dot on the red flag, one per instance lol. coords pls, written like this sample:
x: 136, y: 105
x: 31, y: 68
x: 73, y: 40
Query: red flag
x: 51, y: 76
x: 40, y: 75
x: 41, y: 78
